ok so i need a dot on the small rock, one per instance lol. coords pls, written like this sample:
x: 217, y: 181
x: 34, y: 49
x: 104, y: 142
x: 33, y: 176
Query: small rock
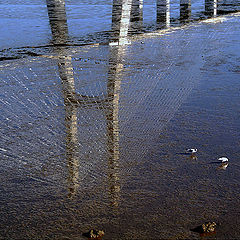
x: 205, y: 228
x: 94, y: 234
x: 209, y: 227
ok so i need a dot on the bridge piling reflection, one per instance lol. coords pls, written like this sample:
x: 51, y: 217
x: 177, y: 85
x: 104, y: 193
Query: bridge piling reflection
x: 74, y: 102
x: 121, y: 12
x: 185, y: 10
x: 163, y: 13
x: 58, y: 21
x: 211, y: 8
x: 136, y: 10
x: 136, y: 16
x: 112, y: 117
x: 59, y: 28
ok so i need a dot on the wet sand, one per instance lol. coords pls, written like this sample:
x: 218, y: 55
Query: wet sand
x: 115, y: 160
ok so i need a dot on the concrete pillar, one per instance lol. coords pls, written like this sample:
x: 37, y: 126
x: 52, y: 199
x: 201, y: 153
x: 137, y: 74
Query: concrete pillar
x: 120, y: 21
x: 185, y: 9
x: 58, y: 20
x: 211, y: 7
x: 163, y: 13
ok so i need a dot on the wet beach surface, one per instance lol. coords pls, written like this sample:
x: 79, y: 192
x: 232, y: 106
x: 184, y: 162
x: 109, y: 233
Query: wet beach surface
x: 115, y: 158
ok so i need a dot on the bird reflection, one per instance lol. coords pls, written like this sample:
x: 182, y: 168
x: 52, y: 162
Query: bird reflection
x: 193, y: 157
x: 223, y: 166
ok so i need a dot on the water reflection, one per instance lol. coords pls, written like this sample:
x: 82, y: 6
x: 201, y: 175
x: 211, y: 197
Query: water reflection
x: 146, y: 177
x: 223, y: 166
x: 72, y: 103
x: 58, y: 20
x: 68, y: 86
x: 136, y: 17
x: 72, y: 149
x: 137, y: 10
x: 113, y: 94
x: 185, y: 10
x: 59, y: 28
x: 211, y: 8
x: 163, y: 13
x: 121, y: 12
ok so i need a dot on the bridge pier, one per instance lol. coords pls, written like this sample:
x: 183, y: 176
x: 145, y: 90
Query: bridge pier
x: 163, y: 13
x: 120, y: 21
x: 211, y: 7
x: 185, y: 9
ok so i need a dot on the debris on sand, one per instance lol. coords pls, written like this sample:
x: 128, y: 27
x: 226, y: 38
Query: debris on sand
x: 207, y: 228
x: 94, y: 234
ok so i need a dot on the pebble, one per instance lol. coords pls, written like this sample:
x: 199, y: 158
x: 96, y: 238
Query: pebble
x: 209, y: 227
x: 94, y: 234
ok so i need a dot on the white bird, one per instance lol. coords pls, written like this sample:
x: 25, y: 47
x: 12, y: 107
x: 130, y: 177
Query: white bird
x: 191, y: 150
x: 223, y: 159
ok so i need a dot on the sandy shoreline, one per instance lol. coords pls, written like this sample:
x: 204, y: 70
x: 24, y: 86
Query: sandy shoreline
x: 116, y: 161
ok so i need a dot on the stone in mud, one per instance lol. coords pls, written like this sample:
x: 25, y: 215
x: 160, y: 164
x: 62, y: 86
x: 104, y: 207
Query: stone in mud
x: 207, y: 227
x: 94, y: 234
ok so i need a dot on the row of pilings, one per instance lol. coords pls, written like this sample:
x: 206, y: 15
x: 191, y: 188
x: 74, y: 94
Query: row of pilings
x: 126, y: 13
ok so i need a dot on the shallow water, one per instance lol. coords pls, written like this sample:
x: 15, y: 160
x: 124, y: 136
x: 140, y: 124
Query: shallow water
x: 85, y: 20
x: 116, y: 159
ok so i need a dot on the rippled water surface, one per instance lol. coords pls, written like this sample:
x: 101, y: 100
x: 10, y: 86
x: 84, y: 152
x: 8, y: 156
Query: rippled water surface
x: 94, y: 136
x: 85, y: 19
